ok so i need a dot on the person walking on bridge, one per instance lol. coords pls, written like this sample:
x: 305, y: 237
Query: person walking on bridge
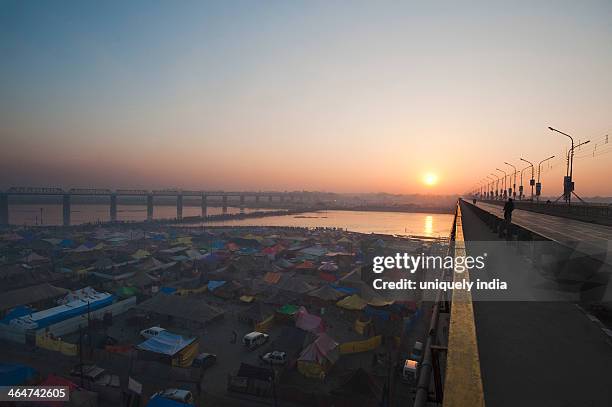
x: 508, y: 208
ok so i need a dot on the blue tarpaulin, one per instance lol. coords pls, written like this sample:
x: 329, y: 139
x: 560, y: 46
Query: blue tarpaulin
x: 165, y: 343
x: 167, y: 290
x: 13, y: 374
x: 346, y: 290
x: 163, y: 402
x: 214, y: 284
x: 19, y: 311
x: 377, y: 313
x: 218, y: 244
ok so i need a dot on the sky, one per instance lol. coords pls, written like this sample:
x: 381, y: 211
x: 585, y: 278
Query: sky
x: 343, y: 96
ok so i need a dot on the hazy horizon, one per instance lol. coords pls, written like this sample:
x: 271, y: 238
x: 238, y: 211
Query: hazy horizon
x: 404, y: 97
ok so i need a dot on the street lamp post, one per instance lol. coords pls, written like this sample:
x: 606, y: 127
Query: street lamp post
x: 531, y: 181
x: 505, y: 184
x: 539, y: 184
x: 490, y: 186
x: 496, y: 185
x: 568, y: 183
x: 514, y: 183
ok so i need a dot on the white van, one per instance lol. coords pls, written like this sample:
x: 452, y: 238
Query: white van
x: 254, y: 339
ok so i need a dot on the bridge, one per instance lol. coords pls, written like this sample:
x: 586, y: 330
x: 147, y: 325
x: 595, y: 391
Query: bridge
x: 536, y: 343
x: 150, y: 195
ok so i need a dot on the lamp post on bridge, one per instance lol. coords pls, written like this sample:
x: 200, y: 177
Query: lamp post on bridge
x: 490, y: 186
x: 521, y: 187
x: 514, y: 183
x: 568, y: 183
x: 496, y: 185
x: 531, y: 181
x: 505, y: 185
x: 539, y: 184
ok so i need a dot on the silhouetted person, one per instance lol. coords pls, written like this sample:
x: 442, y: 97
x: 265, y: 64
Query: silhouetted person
x: 508, y: 208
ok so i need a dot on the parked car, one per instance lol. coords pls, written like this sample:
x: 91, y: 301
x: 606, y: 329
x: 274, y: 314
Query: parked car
x: 417, y: 351
x: 254, y: 339
x: 204, y: 360
x: 151, y: 332
x: 180, y: 395
x: 275, y: 358
x: 95, y: 375
x: 100, y: 381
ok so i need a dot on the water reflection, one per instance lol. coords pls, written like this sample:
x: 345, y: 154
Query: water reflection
x: 428, y: 225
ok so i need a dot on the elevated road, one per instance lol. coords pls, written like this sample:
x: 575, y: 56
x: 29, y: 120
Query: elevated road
x: 555, y: 228
x: 534, y: 352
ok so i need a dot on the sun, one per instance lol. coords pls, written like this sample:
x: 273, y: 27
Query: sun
x: 430, y: 179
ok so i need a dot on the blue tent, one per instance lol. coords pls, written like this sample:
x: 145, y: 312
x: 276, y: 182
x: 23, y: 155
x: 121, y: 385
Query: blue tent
x: 214, y: 284
x: 166, y: 343
x: 218, y: 244
x: 13, y: 374
x: 346, y: 290
x: 66, y: 243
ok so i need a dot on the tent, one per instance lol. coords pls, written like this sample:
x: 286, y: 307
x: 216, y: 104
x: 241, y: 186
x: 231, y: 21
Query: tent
x: 272, y: 278
x: 288, y: 309
x: 295, y: 285
x: 34, y: 258
x: 140, y: 254
x: 214, y: 284
x: 354, y: 302
x: 318, y: 357
x: 165, y: 343
x: 327, y: 293
x: 309, y: 322
x: 328, y: 266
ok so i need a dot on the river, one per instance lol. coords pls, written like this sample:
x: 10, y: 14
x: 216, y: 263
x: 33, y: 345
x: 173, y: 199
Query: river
x: 393, y: 223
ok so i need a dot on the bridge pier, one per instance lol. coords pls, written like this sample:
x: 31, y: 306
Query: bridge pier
x: 113, y: 208
x: 224, y: 204
x: 204, y: 207
x: 66, y: 209
x: 4, y: 213
x: 149, y: 207
x: 242, y: 204
x: 179, y: 207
